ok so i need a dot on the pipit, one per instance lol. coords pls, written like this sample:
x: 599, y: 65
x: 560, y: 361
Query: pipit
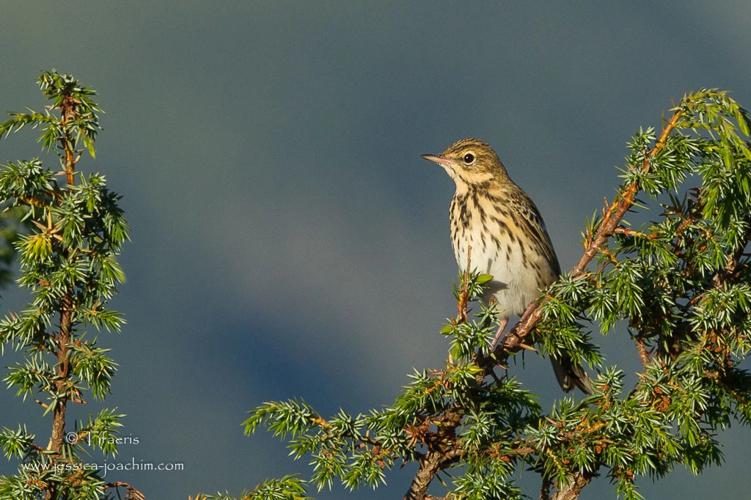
x: 497, y: 229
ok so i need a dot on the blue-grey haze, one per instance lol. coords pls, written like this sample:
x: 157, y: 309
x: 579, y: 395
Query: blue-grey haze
x: 287, y: 238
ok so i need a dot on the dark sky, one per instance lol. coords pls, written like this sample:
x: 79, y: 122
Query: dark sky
x: 287, y: 238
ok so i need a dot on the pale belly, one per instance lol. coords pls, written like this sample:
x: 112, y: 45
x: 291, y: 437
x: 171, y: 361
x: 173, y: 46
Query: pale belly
x: 516, y: 280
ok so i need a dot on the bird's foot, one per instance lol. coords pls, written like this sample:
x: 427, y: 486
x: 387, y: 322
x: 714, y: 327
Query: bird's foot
x: 499, y: 334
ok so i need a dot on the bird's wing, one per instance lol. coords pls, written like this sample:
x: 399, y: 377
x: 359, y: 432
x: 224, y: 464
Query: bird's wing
x: 521, y: 204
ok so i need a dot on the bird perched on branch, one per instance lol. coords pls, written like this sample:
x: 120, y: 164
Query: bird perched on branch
x: 497, y: 229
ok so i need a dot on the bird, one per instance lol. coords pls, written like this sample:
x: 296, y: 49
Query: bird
x: 497, y: 229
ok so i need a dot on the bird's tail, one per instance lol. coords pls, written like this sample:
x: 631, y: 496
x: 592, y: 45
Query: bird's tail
x: 570, y: 375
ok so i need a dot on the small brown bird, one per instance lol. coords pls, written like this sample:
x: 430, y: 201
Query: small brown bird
x: 496, y: 229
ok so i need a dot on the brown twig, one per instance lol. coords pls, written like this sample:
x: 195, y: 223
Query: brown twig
x: 428, y: 468
x: 68, y: 113
x: 641, y: 346
x: 462, y: 302
x: 133, y: 493
x: 63, y: 337
x: 635, y: 234
x: 63, y: 372
x: 573, y: 489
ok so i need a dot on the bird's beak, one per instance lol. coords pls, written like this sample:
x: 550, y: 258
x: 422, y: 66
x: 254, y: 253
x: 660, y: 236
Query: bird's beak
x: 441, y: 160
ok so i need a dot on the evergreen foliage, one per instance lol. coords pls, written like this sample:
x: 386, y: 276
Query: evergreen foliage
x: 68, y: 263
x: 679, y: 287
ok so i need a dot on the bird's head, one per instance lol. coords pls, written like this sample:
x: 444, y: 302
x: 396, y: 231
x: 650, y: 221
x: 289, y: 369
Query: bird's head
x: 470, y: 162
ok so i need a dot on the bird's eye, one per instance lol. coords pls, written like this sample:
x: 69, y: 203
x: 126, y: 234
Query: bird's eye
x: 469, y: 158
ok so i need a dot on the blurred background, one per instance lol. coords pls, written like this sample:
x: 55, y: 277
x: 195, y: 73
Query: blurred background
x: 288, y: 241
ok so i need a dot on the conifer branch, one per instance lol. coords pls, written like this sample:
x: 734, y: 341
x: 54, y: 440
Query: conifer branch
x: 681, y: 283
x: 68, y: 262
x: 612, y: 217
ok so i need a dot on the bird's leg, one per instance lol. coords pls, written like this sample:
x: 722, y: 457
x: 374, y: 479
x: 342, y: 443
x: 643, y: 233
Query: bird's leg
x: 499, y: 333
